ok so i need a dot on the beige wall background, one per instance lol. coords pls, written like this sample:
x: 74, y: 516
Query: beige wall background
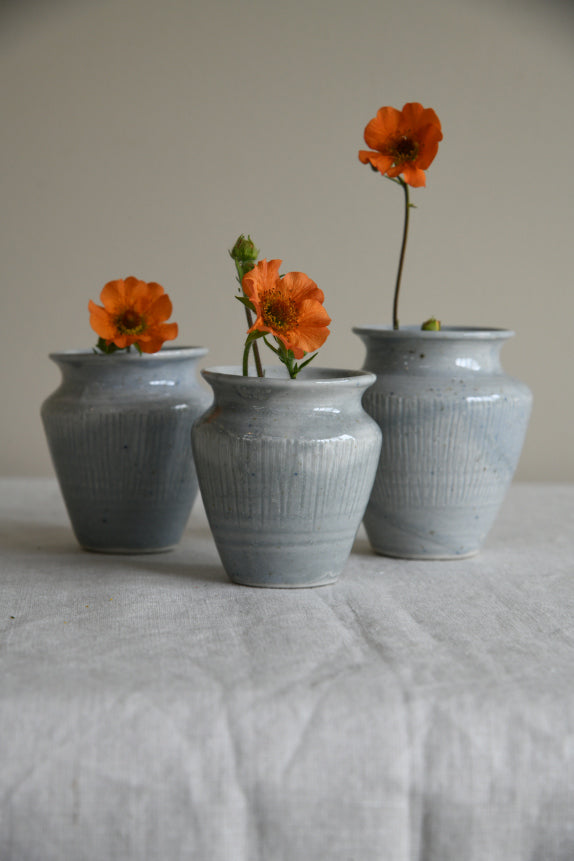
x: 141, y: 137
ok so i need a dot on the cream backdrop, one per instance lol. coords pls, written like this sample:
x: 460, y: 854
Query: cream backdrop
x: 141, y: 136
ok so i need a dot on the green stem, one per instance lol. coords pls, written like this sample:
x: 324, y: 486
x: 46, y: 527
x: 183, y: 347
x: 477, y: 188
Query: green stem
x: 402, y: 257
x: 292, y: 367
x: 246, y: 358
x: 242, y: 267
x: 257, y: 358
x: 288, y: 359
x: 256, y: 355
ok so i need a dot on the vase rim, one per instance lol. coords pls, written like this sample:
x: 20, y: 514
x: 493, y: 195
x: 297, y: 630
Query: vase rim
x: 482, y: 333
x: 277, y: 376
x: 164, y: 353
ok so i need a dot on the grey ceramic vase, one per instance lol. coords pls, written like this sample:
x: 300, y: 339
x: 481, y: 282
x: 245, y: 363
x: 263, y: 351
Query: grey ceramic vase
x: 453, y: 426
x: 118, y: 429
x: 285, y: 469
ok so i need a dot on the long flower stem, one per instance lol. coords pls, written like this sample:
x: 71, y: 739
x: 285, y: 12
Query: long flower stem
x: 246, y: 358
x: 242, y: 267
x: 255, y: 346
x: 402, y: 257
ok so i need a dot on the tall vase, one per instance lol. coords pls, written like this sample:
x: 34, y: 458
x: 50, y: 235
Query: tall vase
x: 285, y: 469
x: 119, y: 433
x: 453, y: 426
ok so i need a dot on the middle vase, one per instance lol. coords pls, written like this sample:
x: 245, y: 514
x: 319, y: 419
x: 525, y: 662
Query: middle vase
x: 285, y: 469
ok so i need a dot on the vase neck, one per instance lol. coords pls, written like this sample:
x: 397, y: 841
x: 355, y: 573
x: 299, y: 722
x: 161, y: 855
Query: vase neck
x: 83, y: 368
x: 429, y: 352
x: 320, y: 392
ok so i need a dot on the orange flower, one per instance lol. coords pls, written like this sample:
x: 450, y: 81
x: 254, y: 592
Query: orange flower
x: 290, y: 307
x: 134, y: 313
x: 405, y: 142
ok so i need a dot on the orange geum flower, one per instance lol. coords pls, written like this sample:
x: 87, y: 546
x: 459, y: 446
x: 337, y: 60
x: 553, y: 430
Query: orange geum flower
x: 403, y: 142
x: 290, y: 308
x: 133, y: 313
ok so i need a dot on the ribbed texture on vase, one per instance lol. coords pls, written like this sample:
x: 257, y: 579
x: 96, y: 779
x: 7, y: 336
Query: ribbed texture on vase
x: 445, y: 467
x: 263, y: 483
x: 453, y: 426
x: 128, y: 480
x: 286, y: 469
x: 118, y: 428
x: 142, y: 454
x: 284, y: 504
x: 438, y: 453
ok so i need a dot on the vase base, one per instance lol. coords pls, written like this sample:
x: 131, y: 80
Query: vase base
x: 129, y: 551
x: 269, y: 585
x: 427, y: 557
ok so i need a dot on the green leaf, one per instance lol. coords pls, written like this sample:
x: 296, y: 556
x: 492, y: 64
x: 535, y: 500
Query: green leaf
x: 271, y: 347
x: 306, y: 362
x: 247, y: 302
x: 105, y: 348
x: 254, y: 336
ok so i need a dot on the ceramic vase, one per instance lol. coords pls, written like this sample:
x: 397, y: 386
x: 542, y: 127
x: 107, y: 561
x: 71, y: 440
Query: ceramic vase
x: 118, y: 429
x: 285, y: 469
x: 453, y: 426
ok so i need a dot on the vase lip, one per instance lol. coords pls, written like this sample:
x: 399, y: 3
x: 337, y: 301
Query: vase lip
x: 450, y: 333
x: 164, y: 353
x: 276, y: 376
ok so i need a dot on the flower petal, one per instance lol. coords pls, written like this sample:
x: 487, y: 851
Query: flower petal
x: 413, y: 175
x: 414, y: 116
x: 132, y: 299
x: 381, y: 162
x: 261, y: 326
x: 406, y: 142
x: 430, y: 138
x: 290, y: 308
x: 160, y: 310
x: 123, y: 341
x: 300, y: 287
x: 410, y: 115
x: 311, y: 331
x: 101, y: 322
x: 380, y: 128
x: 113, y: 296
x: 262, y: 277
x: 142, y: 296
x: 169, y: 331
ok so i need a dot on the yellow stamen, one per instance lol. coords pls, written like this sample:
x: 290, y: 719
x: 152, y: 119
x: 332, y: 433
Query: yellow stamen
x: 278, y: 312
x: 403, y: 149
x: 129, y: 322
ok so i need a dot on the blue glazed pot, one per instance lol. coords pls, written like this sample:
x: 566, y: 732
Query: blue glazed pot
x: 453, y: 426
x: 118, y: 429
x: 285, y: 469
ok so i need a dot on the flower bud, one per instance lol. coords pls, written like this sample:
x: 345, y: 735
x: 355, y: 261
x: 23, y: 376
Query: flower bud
x: 244, y: 250
x: 431, y: 325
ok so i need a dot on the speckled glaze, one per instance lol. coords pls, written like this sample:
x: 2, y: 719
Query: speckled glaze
x: 453, y: 426
x: 118, y: 429
x: 285, y: 469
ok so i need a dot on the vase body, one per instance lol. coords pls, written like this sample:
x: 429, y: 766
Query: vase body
x: 119, y: 433
x: 285, y: 469
x: 453, y: 426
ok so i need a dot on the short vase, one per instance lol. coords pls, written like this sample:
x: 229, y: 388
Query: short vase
x: 285, y: 469
x: 119, y: 433
x: 453, y: 426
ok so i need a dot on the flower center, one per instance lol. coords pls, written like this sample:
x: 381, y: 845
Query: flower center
x: 129, y: 322
x: 403, y: 149
x: 279, y: 312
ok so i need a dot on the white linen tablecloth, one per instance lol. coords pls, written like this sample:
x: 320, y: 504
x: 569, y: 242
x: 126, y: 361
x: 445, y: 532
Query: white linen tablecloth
x: 414, y: 711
